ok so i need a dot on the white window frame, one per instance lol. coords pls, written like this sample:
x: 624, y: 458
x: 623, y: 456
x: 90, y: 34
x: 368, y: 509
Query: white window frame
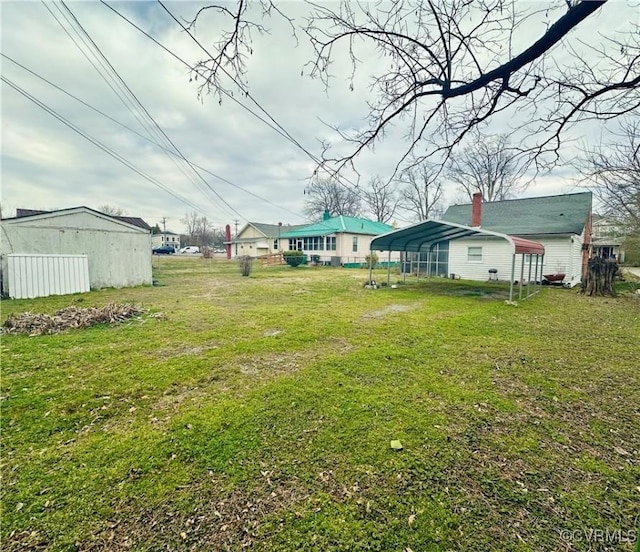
x: 474, y: 258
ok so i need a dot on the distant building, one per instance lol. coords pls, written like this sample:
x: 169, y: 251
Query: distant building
x: 607, y: 239
x: 170, y: 239
x: 256, y: 239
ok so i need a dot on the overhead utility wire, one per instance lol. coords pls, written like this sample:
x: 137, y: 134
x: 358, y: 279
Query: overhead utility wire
x: 190, y: 67
x: 108, y: 79
x: 130, y: 100
x: 123, y: 92
x: 158, y: 130
x: 222, y: 179
x: 277, y: 128
x: 99, y: 144
x: 340, y: 178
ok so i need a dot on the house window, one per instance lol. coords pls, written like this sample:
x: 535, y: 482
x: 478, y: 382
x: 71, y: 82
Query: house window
x: 354, y: 241
x: 292, y: 245
x: 331, y: 243
x: 474, y: 254
x: 275, y: 245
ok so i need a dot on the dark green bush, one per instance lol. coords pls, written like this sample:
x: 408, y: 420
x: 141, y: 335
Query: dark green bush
x: 293, y: 258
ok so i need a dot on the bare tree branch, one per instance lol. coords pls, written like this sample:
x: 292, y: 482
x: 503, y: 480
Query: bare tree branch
x: 422, y: 191
x: 448, y: 66
x: 490, y: 167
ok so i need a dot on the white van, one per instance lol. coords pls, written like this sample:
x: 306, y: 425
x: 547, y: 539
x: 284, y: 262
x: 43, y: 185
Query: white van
x: 189, y: 249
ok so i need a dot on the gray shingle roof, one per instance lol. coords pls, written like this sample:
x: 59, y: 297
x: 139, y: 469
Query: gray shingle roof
x: 561, y: 214
x: 273, y: 230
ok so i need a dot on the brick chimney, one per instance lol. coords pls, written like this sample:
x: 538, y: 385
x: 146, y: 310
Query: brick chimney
x: 476, y: 210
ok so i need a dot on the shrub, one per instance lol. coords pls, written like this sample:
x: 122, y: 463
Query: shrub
x: 372, y: 258
x: 246, y: 264
x: 293, y: 258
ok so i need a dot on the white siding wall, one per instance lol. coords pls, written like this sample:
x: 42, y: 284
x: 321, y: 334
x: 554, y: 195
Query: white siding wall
x: 496, y: 253
x: 562, y: 255
x: 119, y: 254
x: 30, y: 276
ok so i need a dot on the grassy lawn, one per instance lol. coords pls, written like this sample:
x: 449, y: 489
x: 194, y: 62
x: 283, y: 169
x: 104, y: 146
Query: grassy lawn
x: 258, y: 413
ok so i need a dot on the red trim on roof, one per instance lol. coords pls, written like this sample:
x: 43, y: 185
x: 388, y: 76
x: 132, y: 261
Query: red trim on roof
x: 527, y: 247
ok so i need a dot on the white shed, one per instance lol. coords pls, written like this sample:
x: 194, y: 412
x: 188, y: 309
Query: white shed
x: 118, y: 249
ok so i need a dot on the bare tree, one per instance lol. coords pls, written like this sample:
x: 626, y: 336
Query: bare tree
x: 612, y: 172
x: 111, y: 210
x: 191, y: 223
x: 327, y: 194
x: 447, y: 66
x: 490, y: 166
x: 204, y: 232
x: 422, y: 192
x: 381, y: 198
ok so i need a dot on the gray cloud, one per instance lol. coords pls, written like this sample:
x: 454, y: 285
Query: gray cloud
x: 46, y: 165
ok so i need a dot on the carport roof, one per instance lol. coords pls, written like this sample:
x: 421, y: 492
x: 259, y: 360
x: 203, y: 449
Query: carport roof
x: 421, y: 236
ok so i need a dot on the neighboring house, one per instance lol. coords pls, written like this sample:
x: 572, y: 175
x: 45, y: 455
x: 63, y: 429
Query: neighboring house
x: 256, y: 239
x: 117, y: 249
x: 170, y: 239
x: 561, y: 223
x: 337, y: 240
x: 607, y: 239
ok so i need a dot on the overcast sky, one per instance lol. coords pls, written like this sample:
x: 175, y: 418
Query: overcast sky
x: 46, y: 165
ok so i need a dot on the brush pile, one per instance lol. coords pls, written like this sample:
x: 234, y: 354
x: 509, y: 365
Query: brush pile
x: 67, y: 318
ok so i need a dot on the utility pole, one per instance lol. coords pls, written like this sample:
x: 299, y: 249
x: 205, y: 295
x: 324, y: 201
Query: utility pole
x: 164, y: 225
x: 236, y: 223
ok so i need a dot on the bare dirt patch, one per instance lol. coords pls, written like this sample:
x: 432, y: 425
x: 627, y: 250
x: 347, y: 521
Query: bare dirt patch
x: 388, y: 310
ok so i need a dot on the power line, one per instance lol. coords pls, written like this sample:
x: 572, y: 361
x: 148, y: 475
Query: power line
x: 99, y: 144
x: 155, y: 127
x: 277, y: 128
x: 222, y: 179
x: 339, y: 178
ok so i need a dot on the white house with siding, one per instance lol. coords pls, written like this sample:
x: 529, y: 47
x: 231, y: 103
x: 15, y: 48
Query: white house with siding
x: 170, y: 239
x: 561, y: 223
x: 256, y: 239
x: 117, y: 249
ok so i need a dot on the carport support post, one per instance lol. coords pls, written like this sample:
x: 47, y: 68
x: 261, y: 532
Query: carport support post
x: 403, y: 263
x: 535, y: 283
x: 389, y: 269
x: 521, y: 277
x: 513, y: 274
x: 529, y: 279
x: 370, y: 266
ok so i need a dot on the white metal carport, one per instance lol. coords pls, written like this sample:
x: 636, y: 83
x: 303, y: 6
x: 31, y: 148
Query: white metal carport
x: 421, y: 237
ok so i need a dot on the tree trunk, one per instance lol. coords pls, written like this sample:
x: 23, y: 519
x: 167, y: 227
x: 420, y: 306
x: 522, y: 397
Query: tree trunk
x: 600, y: 277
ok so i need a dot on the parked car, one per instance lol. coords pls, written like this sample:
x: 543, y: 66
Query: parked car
x: 164, y: 250
x: 219, y: 250
x: 190, y: 249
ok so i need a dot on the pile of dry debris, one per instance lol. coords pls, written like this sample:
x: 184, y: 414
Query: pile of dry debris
x: 67, y: 318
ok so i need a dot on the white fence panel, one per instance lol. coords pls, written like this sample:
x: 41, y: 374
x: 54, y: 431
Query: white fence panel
x: 32, y: 276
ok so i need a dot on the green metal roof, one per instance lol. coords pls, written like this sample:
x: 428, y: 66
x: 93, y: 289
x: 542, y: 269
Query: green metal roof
x: 561, y: 214
x: 338, y: 225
